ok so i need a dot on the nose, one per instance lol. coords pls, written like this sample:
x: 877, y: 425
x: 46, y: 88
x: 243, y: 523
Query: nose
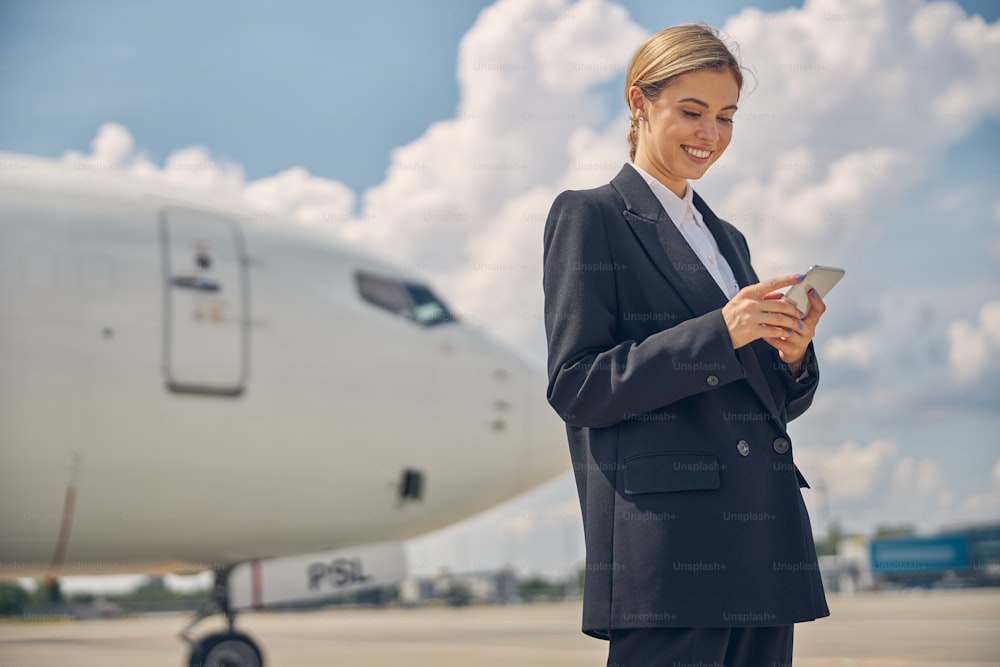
x: 708, y: 130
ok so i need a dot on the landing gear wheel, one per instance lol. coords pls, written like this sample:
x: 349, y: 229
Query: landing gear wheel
x: 222, y: 649
x: 226, y: 649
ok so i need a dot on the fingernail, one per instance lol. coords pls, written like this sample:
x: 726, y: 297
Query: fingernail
x: 801, y: 276
x: 800, y: 325
x: 789, y: 331
x: 801, y: 315
x: 813, y: 294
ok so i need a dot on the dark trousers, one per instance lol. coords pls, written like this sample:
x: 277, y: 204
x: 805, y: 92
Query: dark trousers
x: 704, y: 647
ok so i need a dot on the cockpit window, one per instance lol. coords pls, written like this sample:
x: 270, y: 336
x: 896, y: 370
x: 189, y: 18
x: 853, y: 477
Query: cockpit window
x: 411, y: 300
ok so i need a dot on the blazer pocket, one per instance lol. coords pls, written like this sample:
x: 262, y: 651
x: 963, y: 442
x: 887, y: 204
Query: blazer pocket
x: 671, y: 471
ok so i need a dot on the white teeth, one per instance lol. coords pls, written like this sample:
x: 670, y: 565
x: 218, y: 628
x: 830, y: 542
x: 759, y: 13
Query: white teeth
x: 697, y: 153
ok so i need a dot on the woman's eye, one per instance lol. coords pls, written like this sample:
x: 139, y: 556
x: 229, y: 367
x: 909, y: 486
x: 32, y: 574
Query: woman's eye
x: 692, y: 114
x: 726, y: 120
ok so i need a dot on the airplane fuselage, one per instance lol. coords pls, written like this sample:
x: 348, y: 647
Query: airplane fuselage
x: 185, y: 384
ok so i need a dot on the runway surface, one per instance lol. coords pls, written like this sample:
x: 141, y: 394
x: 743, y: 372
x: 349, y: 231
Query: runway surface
x: 907, y: 629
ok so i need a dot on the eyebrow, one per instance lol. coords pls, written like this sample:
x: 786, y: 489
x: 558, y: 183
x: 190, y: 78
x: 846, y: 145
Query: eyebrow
x: 700, y: 103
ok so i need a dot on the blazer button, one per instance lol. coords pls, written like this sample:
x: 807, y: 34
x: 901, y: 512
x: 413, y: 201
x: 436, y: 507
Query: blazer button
x: 743, y: 447
x: 780, y: 445
x: 712, y: 380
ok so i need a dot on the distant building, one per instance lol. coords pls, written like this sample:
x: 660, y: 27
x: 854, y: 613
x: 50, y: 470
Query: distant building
x: 850, y: 570
x: 416, y: 590
x: 491, y: 587
x: 963, y: 556
x: 959, y: 556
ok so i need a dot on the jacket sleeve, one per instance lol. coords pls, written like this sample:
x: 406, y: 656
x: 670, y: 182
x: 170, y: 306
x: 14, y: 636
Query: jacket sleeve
x: 595, y: 379
x: 799, y: 392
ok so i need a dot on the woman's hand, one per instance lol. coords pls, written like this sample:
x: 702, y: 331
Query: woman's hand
x: 757, y: 311
x: 792, y: 347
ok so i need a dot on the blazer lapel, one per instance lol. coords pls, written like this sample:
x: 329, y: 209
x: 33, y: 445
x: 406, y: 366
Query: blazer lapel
x: 758, y: 352
x: 737, y: 259
x: 665, y: 245
x: 669, y: 251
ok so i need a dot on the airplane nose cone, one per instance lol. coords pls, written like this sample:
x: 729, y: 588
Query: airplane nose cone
x: 545, y: 449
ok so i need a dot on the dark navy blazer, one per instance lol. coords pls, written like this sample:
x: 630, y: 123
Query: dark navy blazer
x: 693, y: 514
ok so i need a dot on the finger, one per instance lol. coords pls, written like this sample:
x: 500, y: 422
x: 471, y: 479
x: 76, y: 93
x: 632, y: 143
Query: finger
x: 785, y: 308
x: 777, y: 306
x: 789, y: 342
x: 816, y: 308
x: 771, y: 284
x: 789, y: 348
x: 779, y: 329
x: 775, y: 333
x: 783, y: 346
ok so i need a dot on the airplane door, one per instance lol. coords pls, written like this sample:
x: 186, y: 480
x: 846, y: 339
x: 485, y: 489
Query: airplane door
x: 206, y: 303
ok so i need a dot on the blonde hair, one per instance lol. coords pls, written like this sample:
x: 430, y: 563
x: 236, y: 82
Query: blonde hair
x: 670, y: 53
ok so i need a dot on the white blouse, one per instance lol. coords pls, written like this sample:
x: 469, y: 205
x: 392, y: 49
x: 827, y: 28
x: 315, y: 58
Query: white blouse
x: 692, y: 227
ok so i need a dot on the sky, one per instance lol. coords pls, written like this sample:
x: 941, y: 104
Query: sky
x: 437, y: 134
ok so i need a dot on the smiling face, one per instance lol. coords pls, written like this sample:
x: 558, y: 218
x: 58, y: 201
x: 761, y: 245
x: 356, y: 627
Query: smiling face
x: 686, y: 128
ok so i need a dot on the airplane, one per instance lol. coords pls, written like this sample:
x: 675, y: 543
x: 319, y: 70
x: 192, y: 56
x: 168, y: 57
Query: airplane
x: 189, y: 384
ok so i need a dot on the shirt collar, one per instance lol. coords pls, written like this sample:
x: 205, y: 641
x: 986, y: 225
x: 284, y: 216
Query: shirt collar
x: 674, y: 206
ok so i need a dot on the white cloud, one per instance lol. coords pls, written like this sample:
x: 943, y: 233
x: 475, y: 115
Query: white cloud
x: 993, y: 249
x: 293, y: 195
x: 859, y: 349
x: 194, y: 167
x: 298, y: 195
x: 854, y: 101
x: 849, y: 471
x: 113, y: 144
x: 974, y: 349
x: 599, y: 36
x: 920, y: 476
x: 969, y: 350
x: 112, y: 148
x: 919, y: 493
x: 507, y: 268
x: 555, y: 515
x: 527, y: 72
x: 984, y: 505
x: 989, y: 319
x: 879, y: 484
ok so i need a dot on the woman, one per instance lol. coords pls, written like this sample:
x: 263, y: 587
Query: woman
x: 676, y: 371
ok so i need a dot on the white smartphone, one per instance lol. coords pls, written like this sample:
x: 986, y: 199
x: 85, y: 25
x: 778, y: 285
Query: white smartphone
x: 820, y: 278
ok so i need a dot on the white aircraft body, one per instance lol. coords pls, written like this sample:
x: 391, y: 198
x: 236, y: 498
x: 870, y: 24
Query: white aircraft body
x: 187, y: 384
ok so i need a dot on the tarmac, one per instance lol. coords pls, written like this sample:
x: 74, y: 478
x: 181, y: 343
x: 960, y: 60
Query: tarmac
x: 958, y: 628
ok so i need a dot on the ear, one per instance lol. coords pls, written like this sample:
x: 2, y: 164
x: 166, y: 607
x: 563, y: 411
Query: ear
x: 637, y: 101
